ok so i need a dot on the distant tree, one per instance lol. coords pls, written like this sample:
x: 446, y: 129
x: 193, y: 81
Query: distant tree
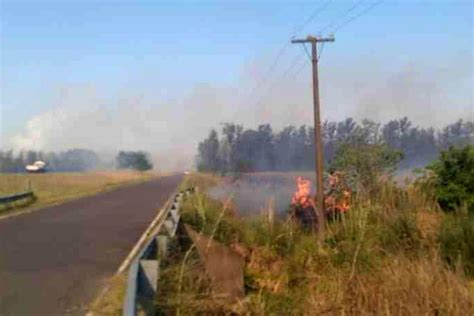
x: 284, y: 147
x: 369, y: 132
x: 345, y: 130
x: 76, y: 160
x: 231, y: 133
x: 31, y: 157
x: 208, y: 153
x: 254, y: 150
x: 136, y: 160
x: 459, y: 133
x: 292, y: 148
x: 73, y: 160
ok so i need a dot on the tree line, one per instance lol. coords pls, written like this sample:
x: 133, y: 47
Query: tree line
x: 73, y: 160
x: 244, y: 150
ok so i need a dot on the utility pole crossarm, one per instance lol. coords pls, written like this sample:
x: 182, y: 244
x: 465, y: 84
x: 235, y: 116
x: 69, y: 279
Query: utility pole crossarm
x: 312, y: 39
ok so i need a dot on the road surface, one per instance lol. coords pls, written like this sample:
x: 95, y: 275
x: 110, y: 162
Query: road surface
x: 54, y: 261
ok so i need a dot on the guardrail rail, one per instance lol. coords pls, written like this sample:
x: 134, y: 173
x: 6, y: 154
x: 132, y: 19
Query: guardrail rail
x: 143, y: 273
x: 28, y: 193
x: 16, y: 197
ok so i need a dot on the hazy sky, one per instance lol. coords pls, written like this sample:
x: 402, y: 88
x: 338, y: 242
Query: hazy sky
x: 157, y: 75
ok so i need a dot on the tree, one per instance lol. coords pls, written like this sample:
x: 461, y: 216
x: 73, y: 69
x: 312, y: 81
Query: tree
x: 77, y: 160
x: 232, y: 133
x: 459, y: 133
x: 136, y: 160
x: 454, y: 178
x: 366, y: 163
x: 292, y: 148
x: 208, y: 153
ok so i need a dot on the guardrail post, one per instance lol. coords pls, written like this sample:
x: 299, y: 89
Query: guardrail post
x: 148, y: 278
x: 144, y: 271
x: 130, y: 304
x: 163, y: 243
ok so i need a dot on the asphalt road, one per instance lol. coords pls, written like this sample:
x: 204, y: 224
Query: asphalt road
x: 54, y: 261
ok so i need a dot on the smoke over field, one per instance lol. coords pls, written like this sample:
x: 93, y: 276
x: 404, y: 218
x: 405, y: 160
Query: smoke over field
x: 251, y: 193
x: 170, y: 126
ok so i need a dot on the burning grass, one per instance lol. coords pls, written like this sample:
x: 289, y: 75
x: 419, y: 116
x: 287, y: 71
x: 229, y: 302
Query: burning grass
x: 52, y: 188
x: 391, y: 253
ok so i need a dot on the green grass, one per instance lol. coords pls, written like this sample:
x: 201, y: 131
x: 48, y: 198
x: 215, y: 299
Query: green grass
x: 456, y: 239
x: 53, y: 188
x: 394, y: 252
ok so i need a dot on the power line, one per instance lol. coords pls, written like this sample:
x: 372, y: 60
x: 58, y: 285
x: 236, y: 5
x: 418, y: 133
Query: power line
x: 285, y: 73
x: 288, y: 70
x: 336, y: 24
x: 306, y: 50
x: 337, y: 18
x: 321, y: 51
x: 300, y: 69
x: 367, y: 9
x: 315, y: 13
x: 280, y: 53
x: 309, y: 55
x: 270, y: 70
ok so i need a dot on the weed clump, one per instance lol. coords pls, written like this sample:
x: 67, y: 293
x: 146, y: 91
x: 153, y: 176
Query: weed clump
x: 456, y: 240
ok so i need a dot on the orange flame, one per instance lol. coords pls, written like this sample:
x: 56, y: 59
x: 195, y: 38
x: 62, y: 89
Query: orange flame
x: 302, y: 196
x: 339, y: 196
x: 337, y: 199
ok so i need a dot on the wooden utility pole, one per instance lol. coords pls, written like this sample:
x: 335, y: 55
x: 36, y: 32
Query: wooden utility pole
x: 318, y: 146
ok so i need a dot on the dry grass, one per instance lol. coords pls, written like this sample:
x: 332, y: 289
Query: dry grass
x: 110, y: 302
x: 383, y: 258
x: 201, y: 180
x: 400, y: 286
x: 52, y: 188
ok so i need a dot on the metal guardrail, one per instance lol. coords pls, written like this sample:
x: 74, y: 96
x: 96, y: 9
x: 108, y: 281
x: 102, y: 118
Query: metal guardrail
x: 16, y: 197
x: 144, y: 270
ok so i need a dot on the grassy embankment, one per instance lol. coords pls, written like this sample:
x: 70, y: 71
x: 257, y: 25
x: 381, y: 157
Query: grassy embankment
x: 394, y: 252
x: 53, y: 188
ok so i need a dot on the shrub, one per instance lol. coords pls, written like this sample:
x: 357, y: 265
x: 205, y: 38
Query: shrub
x: 454, y: 178
x: 137, y: 160
x: 366, y: 162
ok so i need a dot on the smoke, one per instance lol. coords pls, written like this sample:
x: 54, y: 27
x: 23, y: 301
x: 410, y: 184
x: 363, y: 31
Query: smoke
x: 252, y: 192
x: 429, y: 97
x: 170, y: 128
x: 168, y: 131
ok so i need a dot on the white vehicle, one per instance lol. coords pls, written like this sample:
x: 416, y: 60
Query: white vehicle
x: 37, y: 167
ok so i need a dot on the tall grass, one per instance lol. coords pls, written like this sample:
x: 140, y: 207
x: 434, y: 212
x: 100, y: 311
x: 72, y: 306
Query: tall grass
x: 394, y: 252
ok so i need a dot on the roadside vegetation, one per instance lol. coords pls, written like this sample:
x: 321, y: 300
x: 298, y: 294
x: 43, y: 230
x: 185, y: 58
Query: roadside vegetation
x: 402, y: 251
x: 52, y: 188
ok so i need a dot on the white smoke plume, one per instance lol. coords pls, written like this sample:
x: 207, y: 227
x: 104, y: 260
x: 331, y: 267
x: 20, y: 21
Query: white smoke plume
x: 170, y: 129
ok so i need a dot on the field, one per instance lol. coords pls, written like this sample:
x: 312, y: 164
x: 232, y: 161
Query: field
x: 52, y: 188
